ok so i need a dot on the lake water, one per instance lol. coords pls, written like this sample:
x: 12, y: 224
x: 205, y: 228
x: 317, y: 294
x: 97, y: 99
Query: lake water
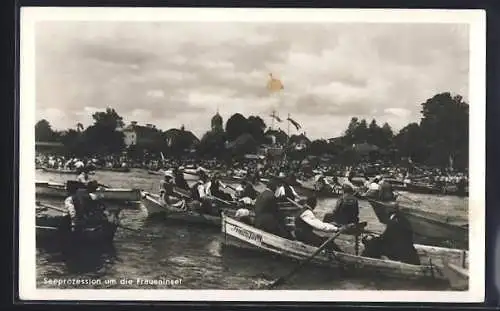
x: 196, y: 257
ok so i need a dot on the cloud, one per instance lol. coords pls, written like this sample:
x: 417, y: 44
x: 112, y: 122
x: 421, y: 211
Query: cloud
x: 171, y: 74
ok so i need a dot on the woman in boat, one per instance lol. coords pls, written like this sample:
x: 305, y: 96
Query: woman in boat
x: 346, y: 210
x: 268, y: 216
x: 306, y: 222
x: 395, y: 243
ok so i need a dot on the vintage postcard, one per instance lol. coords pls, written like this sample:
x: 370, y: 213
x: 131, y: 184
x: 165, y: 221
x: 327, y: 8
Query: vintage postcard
x: 252, y: 155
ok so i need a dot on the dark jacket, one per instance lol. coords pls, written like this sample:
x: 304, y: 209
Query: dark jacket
x: 397, y: 241
x: 180, y: 181
x: 346, y: 210
x: 268, y: 217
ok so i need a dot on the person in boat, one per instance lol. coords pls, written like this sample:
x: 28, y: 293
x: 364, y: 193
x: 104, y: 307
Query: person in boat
x: 246, y: 192
x: 167, y: 193
x: 179, y: 179
x: 322, y: 184
x: 395, y: 243
x: 214, y: 188
x: 385, y: 192
x: 284, y: 190
x: 199, y: 194
x: 83, y: 176
x: 268, y: 216
x: 373, y: 186
x: 78, y: 164
x: 243, y: 215
x: 84, y: 207
x: 346, y: 210
x: 306, y: 222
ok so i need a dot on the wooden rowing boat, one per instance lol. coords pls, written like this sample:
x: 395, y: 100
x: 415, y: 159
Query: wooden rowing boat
x: 423, y: 224
x: 185, y: 212
x: 308, y: 189
x: 238, y: 234
x: 62, y: 171
x: 59, y: 190
x: 55, y: 229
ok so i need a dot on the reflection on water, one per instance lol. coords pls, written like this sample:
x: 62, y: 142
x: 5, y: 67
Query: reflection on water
x: 166, y: 250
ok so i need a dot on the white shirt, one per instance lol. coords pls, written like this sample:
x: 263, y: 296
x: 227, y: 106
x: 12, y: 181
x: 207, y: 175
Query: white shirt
x: 309, y: 217
x: 79, y: 164
x: 374, y: 186
x: 208, y: 185
x: 280, y: 192
x: 81, y: 178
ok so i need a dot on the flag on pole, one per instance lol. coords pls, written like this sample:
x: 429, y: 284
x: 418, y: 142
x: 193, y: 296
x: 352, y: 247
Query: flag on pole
x: 295, y: 123
x: 274, y: 85
x: 275, y: 117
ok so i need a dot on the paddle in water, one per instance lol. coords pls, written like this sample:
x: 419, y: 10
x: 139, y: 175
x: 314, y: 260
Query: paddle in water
x: 284, y: 278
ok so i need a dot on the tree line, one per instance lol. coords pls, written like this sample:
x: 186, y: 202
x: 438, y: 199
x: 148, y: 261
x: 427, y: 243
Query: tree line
x: 440, y: 138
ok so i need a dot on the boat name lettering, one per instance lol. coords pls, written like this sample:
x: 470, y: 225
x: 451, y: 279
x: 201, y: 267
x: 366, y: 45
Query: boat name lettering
x: 248, y: 234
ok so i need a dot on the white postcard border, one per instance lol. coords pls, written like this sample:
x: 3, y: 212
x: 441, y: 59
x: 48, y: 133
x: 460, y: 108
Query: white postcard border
x: 477, y: 98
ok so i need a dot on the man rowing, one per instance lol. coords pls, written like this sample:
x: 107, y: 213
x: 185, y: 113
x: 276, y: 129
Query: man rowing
x: 346, y: 210
x: 268, y: 216
x: 395, y: 243
x: 306, y: 222
x: 83, y: 207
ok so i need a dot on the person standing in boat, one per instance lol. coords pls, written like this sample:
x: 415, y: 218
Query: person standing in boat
x: 306, y: 222
x: 346, y: 210
x: 395, y: 243
x: 268, y: 216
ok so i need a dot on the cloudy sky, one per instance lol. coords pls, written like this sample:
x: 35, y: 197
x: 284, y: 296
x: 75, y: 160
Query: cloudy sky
x: 171, y: 73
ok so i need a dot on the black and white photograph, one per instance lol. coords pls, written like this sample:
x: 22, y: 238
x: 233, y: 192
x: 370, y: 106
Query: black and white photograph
x: 252, y: 154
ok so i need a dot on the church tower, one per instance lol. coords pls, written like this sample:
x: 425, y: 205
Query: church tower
x: 217, y: 123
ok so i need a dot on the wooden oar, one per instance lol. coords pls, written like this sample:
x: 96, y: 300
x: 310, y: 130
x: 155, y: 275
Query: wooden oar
x: 284, y: 278
x: 64, y: 211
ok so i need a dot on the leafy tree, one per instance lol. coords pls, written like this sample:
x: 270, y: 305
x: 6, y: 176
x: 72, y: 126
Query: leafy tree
x: 256, y: 128
x: 445, y: 128
x: 44, y: 132
x: 212, y: 144
x: 104, y: 136
x: 236, y: 125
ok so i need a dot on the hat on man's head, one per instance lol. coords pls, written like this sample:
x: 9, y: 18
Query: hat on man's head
x: 168, y: 174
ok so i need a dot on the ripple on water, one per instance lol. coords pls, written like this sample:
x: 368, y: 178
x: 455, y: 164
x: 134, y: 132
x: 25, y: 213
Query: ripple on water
x: 170, y: 250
